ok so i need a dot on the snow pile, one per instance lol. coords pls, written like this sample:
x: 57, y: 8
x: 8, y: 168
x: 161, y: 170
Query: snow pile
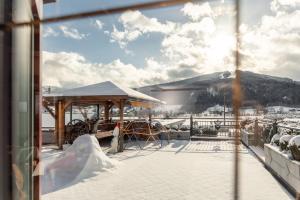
x: 294, y: 146
x: 284, y: 141
x: 89, y: 154
x: 83, y: 159
x: 285, y: 138
x: 275, y: 139
x: 295, y: 141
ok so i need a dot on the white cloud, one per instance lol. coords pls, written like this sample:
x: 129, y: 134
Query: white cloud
x: 135, y: 20
x: 190, y: 48
x: 123, y: 37
x: 135, y: 24
x: 277, y: 5
x: 98, y: 24
x: 197, y: 11
x: 199, y: 45
x: 272, y: 47
x: 49, y: 32
x: 72, y: 33
x: 64, y: 69
x: 206, y: 25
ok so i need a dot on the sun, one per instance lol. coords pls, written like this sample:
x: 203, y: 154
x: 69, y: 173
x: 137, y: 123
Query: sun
x: 220, y: 47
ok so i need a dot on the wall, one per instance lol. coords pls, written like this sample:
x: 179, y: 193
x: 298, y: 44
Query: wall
x: 247, y: 138
x: 287, y: 169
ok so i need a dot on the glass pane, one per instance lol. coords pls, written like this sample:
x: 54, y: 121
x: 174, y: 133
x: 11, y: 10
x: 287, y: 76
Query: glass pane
x: 22, y: 113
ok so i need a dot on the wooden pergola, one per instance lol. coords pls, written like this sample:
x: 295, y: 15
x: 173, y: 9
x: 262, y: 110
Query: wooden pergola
x: 106, y: 94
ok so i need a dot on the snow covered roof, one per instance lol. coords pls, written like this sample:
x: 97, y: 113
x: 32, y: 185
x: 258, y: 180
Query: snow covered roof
x: 105, y: 89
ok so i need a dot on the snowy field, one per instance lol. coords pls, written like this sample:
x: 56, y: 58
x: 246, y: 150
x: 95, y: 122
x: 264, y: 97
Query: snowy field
x: 180, y: 170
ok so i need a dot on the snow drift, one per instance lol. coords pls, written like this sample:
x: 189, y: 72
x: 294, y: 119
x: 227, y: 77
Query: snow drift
x: 83, y: 159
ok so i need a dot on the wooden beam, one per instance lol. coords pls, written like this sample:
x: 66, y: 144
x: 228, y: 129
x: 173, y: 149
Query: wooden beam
x: 71, y: 112
x: 56, y: 123
x: 116, y: 103
x: 67, y: 104
x: 121, y: 137
x: 48, y: 109
x: 106, y: 111
x: 37, y: 135
x: 110, y: 105
x: 61, y: 124
x: 98, y: 111
x: 85, y: 98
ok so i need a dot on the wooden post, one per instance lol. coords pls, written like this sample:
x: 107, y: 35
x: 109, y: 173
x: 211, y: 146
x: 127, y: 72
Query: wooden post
x: 56, y: 123
x: 98, y: 111
x: 71, y: 112
x: 61, y: 124
x: 121, y: 137
x: 106, y: 111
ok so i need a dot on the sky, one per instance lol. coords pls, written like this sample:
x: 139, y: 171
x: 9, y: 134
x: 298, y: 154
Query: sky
x: 138, y: 48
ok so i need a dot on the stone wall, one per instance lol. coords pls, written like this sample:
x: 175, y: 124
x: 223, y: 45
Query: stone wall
x: 287, y: 169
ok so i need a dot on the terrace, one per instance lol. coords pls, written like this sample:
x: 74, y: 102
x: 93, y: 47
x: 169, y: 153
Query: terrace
x: 194, y: 169
x: 106, y: 141
x: 201, y: 148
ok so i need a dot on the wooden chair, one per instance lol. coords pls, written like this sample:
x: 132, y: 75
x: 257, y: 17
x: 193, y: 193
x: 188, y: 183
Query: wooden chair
x: 142, y: 129
x: 129, y: 131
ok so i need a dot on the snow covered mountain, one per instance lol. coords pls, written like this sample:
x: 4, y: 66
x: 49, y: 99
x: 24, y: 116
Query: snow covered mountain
x: 198, y: 93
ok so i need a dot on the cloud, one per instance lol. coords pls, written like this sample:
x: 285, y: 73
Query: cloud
x: 69, y: 69
x: 196, y: 46
x: 49, y: 32
x: 199, y: 46
x: 72, y: 33
x: 135, y: 24
x: 187, y: 49
x: 183, y: 43
x: 277, y: 5
x: 272, y: 46
x: 197, y: 11
x: 98, y: 24
x: 123, y: 37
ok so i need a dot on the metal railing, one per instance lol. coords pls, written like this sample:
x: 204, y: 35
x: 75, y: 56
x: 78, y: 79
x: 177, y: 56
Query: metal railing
x: 204, y: 126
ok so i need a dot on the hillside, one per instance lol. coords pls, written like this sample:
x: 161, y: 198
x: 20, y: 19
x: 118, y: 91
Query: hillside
x: 198, y: 93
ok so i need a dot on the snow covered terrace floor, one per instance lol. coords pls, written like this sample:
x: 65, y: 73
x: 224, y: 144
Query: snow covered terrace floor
x: 178, y: 171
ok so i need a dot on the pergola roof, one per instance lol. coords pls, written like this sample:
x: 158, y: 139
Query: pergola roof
x: 104, y: 91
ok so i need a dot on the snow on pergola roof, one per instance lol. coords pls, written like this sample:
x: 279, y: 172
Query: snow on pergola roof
x: 104, y: 89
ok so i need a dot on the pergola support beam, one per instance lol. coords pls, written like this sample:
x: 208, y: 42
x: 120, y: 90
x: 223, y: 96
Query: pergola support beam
x: 49, y: 110
x: 60, y: 123
x: 121, y: 136
x: 107, y: 107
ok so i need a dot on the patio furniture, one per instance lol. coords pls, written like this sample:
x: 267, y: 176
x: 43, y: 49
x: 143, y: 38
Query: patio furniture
x: 105, y: 129
x: 74, y: 129
x: 142, y: 129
